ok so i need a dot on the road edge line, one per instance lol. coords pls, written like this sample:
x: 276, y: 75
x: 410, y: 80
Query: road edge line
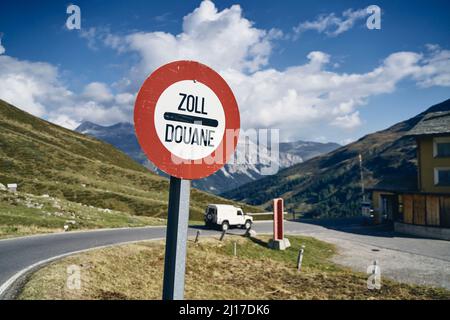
x: 76, y: 232
x: 13, y: 279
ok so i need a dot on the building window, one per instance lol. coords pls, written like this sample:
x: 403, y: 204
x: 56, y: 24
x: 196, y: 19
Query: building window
x: 441, y: 147
x: 442, y: 177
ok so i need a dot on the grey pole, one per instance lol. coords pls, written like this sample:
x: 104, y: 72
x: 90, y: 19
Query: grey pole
x: 196, y: 237
x: 176, y: 238
x: 362, y: 177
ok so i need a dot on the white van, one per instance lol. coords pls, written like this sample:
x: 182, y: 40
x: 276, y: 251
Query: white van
x: 225, y: 216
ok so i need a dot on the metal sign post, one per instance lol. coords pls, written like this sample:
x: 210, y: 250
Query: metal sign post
x: 176, y: 236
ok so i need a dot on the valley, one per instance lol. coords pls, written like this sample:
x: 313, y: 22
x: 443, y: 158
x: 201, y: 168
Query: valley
x: 231, y: 176
x: 84, y: 175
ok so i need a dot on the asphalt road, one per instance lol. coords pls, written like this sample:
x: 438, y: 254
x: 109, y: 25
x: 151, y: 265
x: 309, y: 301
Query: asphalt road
x: 21, y: 256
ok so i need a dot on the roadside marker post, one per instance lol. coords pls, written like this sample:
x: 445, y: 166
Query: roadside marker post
x: 196, y: 236
x: 187, y: 123
x: 300, y: 258
x: 279, y: 242
x: 278, y: 219
x: 223, y: 235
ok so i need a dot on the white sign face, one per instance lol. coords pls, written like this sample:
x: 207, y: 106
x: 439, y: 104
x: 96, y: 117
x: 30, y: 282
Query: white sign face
x: 189, y: 120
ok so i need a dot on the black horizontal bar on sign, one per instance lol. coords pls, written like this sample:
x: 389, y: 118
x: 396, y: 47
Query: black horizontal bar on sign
x: 170, y: 116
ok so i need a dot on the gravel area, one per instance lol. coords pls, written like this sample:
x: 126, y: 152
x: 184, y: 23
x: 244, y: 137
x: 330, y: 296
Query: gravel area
x: 402, y: 264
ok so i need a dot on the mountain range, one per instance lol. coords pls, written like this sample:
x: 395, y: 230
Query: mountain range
x: 231, y: 176
x: 330, y: 185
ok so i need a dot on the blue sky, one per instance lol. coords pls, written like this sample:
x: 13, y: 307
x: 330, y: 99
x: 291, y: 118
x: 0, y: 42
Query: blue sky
x: 68, y: 76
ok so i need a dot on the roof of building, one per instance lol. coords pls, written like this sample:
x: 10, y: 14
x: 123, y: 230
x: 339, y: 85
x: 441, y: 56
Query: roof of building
x: 432, y: 124
x: 223, y: 206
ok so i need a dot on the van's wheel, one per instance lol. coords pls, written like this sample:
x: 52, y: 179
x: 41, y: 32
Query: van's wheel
x: 248, y: 225
x: 225, y: 226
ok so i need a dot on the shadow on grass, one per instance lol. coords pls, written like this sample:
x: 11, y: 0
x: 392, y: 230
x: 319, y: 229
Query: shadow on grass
x: 259, y: 242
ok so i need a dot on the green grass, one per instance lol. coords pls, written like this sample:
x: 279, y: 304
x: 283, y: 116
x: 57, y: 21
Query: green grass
x: 316, y: 252
x: 24, y: 214
x: 212, y: 272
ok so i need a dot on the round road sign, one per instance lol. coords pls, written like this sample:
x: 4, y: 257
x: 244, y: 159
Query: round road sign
x: 187, y: 120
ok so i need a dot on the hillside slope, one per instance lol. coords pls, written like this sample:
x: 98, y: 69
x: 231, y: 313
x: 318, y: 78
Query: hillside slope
x: 329, y: 185
x: 46, y: 159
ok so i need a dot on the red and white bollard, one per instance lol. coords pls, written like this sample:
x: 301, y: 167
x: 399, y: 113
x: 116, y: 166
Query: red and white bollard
x: 279, y: 242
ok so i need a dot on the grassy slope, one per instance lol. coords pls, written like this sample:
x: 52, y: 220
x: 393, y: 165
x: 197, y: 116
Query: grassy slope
x: 24, y: 214
x: 46, y: 159
x: 256, y: 273
x: 329, y: 185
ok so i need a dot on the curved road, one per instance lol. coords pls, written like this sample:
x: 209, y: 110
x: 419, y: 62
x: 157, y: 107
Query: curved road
x: 21, y: 256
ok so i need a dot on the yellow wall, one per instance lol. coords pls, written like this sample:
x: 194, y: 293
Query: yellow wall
x: 427, y: 163
x: 376, y: 200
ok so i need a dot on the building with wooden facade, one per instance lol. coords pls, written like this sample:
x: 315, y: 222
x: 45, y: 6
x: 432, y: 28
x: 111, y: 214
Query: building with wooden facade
x: 424, y: 209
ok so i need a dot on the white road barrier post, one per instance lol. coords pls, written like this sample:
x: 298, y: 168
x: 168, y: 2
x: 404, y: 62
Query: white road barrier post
x: 300, y: 258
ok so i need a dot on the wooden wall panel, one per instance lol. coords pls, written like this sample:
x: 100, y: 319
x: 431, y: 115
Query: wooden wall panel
x: 433, y: 210
x: 445, y: 212
x: 419, y: 209
x: 407, y: 208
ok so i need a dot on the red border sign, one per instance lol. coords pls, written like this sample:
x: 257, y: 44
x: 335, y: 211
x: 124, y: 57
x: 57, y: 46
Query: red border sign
x: 144, y: 111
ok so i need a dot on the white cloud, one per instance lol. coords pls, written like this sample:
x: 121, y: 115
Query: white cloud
x: 65, y: 121
x: 125, y: 99
x: 347, y: 121
x: 97, y: 91
x: 331, y: 24
x: 90, y: 34
x: 36, y: 87
x: 301, y: 100
x: 221, y: 39
x: 29, y: 85
x: 304, y: 101
x: 73, y: 113
x: 436, y: 71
